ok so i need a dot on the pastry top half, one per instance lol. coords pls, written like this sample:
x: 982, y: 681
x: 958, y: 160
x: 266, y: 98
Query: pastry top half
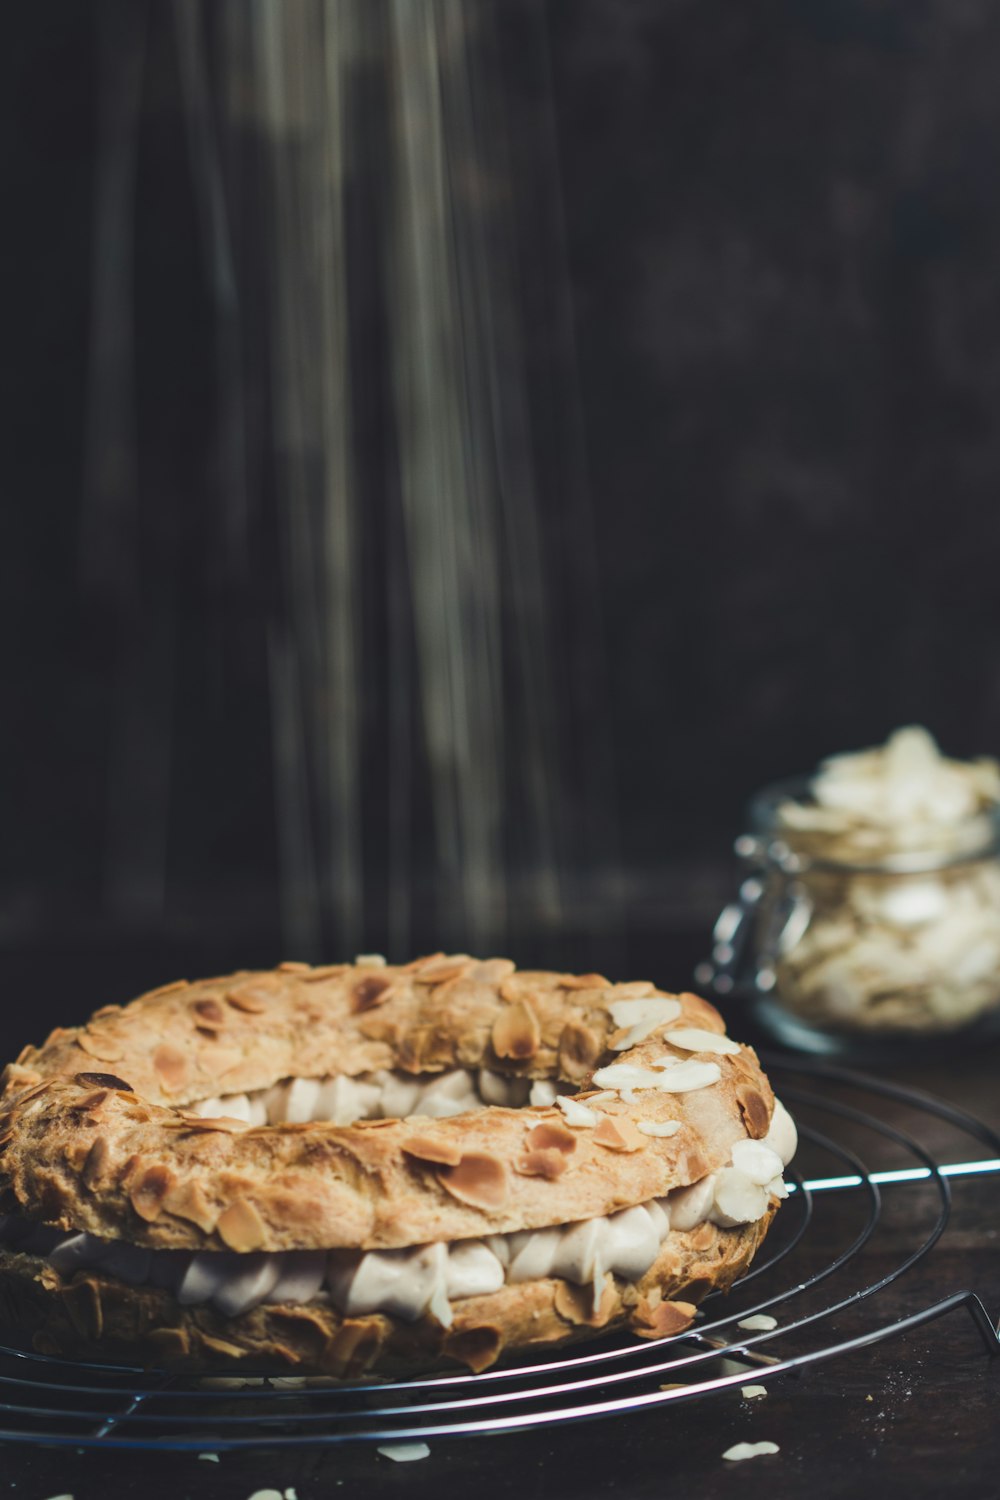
x: 99, y: 1127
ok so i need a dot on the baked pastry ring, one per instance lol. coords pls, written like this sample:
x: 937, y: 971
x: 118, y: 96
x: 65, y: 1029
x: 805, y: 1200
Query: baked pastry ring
x: 365, y: 1168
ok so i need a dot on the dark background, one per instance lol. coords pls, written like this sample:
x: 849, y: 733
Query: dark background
x: 782, y: 227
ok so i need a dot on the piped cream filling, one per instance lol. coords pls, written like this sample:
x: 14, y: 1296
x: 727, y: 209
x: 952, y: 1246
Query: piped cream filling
x: 382, y: 1095
x: 411, y: 1282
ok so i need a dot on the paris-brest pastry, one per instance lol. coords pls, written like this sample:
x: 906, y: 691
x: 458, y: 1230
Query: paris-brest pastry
x: 368, y: 1169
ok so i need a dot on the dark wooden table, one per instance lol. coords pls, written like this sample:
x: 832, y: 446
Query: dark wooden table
x: 915, y: 1415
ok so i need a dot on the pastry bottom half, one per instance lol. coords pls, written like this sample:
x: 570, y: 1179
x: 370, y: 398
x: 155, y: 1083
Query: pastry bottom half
x: 93, y: 1315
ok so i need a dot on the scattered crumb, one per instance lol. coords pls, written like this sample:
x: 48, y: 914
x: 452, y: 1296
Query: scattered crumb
x: 62, y: 1497
x: 211, y: 1458
x: 266, y: 1495
x: 740, y: 1451
x: 290, y: 1493
x: 759, y: 1320
x: 400, y: 1453
x: 750, y: 1391
x: 869, y: 1398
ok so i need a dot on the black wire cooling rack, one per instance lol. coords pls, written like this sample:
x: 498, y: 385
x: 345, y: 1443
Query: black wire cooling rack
x: 58, y: 1402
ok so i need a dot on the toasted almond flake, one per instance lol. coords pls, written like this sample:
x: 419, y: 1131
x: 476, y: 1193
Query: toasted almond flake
x: 371, y: 991
x: 148, y: 1192
x: 444, y: 973
x: 290, y: 966
x: 626, y: 1076
x: 583, y: 982
x: 655, y: 1318
x: 618, y: 1135
x: 547, y: 1164
x: 751, y: 1392
x: 579, y: 1049
x: 753, y: 1108
x: 104, y: 1048
x: 688, y: 1076
x: 696, y: 1039
x: 740, y: 1451
x: 187, y: 1200
x: 402, y: 1453
x: 251, y: 999
x: 577, y: 1114
x: 241, y: 1227
x: 492, y: 970
x: 516, y: 1032
x: 224, y: 1124
x: 662, y: 1128
x: 758, y: 1321
x: 641, y: 1017
x: 479, y: 1179
x: 97, y: 1157
x: 166, y: 989
x: 171, y: 1064
x: 370, y: 961
x: 445, y: 1153
x: 551, y: 1135
x: 210, y: 1014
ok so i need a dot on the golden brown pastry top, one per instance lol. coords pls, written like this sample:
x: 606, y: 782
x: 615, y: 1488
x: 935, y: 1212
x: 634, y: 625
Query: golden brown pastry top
x: 95, y: 1135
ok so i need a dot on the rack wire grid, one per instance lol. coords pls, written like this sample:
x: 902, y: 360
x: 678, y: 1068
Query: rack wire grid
x: 49, y: 1401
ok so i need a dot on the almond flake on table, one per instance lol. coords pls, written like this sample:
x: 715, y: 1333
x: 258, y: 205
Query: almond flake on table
x: 749, y: 1392
x: 402, y: 1453
x: 739, y: 1451
x: 211, y: 1458
x: 758, y: 1321
x: 266, y: 1495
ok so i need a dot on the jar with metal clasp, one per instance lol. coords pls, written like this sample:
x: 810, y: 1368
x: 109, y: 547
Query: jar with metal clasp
x: 857, y: 933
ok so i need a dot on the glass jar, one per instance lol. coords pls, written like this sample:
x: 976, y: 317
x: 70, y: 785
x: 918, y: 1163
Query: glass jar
x: 838, y: 953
